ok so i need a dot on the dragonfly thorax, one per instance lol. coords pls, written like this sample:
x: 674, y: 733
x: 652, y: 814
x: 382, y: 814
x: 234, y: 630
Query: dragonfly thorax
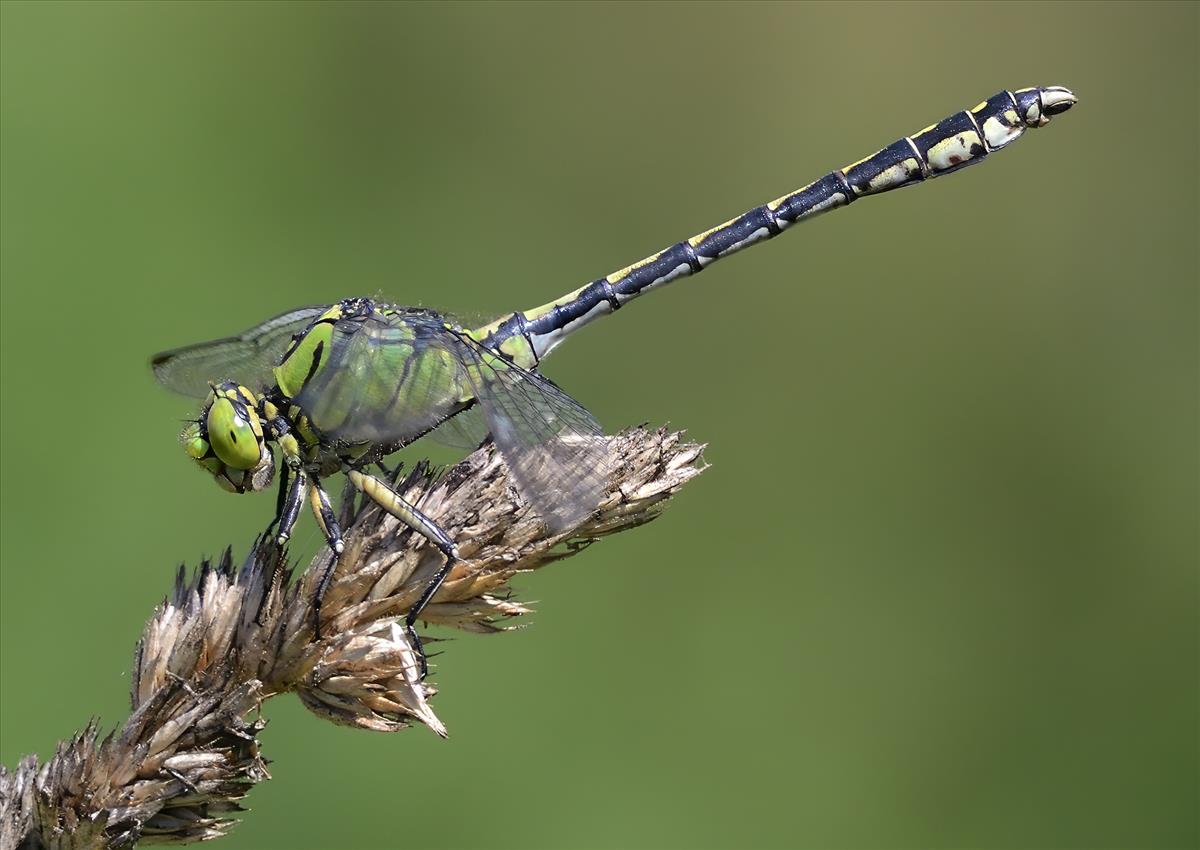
x: 227, y: 440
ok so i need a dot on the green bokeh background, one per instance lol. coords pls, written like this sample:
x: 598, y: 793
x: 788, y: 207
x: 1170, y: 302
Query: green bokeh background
x: 939, y: 587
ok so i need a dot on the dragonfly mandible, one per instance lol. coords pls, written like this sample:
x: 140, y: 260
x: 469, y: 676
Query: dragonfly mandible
x: 336, y: 388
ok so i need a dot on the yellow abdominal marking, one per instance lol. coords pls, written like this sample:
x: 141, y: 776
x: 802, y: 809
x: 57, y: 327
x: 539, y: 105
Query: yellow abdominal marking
x: 700, y: 237
x: 625, y: 272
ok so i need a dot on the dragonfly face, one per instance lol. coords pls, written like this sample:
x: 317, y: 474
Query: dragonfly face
x: 227, y: 440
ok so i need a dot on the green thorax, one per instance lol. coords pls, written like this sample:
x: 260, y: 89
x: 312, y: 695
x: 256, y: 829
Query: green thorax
x: 368, y: 372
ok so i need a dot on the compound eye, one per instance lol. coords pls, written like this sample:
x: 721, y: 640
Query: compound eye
x: 234, y: 434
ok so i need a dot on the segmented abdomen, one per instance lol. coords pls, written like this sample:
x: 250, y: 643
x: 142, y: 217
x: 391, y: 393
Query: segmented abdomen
x: 953, y: 143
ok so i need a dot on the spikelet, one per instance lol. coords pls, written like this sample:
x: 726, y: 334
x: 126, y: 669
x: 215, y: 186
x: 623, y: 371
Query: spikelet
x: 228, y: 638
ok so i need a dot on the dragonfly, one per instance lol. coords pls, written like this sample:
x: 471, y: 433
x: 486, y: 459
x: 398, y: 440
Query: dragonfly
x: 337, y: 388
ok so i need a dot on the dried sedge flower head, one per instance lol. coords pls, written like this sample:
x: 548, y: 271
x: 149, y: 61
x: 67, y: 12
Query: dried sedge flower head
x: 365, y: 678
x: 229, y: 638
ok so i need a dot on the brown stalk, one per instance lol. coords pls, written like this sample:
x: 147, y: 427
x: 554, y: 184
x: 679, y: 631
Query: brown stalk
x: 227, y: 639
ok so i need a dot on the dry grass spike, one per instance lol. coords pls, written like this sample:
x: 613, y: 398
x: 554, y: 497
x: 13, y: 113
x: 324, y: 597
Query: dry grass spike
x: 229, y: 638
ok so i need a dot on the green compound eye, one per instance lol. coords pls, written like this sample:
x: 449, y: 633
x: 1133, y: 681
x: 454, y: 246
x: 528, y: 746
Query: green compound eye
x: 233, y: 436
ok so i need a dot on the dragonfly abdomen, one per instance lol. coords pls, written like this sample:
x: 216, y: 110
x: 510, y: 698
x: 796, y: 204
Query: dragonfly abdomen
x: 957, y: 141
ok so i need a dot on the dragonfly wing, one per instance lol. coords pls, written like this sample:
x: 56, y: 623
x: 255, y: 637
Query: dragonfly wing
x: 391, y: 377
x: 247, y: 358
x: 554, y: 448
x: 386, y: 378
x: 464, y: 430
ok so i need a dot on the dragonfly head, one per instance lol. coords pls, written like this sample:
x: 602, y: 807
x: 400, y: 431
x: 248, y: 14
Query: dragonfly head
x: 227, y: 440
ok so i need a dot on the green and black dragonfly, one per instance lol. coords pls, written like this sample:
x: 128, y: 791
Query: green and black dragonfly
x: 337, y: 388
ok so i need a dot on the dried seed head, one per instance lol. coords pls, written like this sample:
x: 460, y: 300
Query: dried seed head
x: 370, y: 679
x: 229, y: 638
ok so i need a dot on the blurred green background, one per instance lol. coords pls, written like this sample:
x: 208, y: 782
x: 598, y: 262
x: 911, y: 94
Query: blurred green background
x: 939, y: 587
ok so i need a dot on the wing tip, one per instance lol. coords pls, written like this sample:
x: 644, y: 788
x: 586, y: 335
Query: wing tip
x: 158, y: 364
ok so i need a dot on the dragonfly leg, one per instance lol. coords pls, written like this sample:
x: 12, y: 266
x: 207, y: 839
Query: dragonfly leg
x: 287, y: 508
x: 414, y: 613
x: 322, y: 509
x: 291, y: 497
x: 281, y: 494
x: 394, y: 504
x: 278, y: 429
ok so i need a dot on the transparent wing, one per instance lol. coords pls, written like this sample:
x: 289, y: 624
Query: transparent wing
x: 554, y: 448
x: 391, y: 377
x: 386, y: 378
x: 464, y: 430
x: 248, y: 357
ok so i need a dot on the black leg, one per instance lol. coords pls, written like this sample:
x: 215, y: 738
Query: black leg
x: 391, y: 501
x: 322, y: 509
x: 291, y: 505
x: 414, y: 613
x: 281, y: 494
